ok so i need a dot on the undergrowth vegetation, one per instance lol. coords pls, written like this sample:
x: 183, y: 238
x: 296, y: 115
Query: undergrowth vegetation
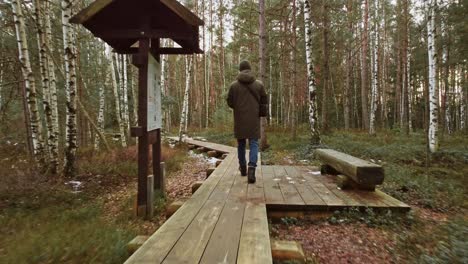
x: 436, y: 182
x: 45, y: 219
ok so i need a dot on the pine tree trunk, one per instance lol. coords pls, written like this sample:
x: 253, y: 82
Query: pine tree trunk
x: 262, y: 71
x: 433, y: 91
x: 364, y: 85
x: 312, y: 100
x: 70, y: 88
x: 184, y: 112
x: 349, y: 66
x: 29, y: 82
x: 326, y: 68
x: 464, y: 101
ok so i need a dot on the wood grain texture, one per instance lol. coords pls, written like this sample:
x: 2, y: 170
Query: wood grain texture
x: 361, y: 171
x: 225, y: 220
x: 255, y: 239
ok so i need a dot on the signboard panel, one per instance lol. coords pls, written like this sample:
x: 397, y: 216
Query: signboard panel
x: 154, y: 94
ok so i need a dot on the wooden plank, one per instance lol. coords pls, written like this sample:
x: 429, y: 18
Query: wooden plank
x: 286, y: 184
x: 271, y: 187
x: 361, y: 171
x: 238, y: 190
x: 223, y: 189
x: 325, y: 194
x: 343, y: 195
x: 308, y: 194
x: 255, y: 192
x: 255, y: 238
x: 192, y: 243
x: 162, y: 241
x: 392, y: 202
x: 224, y: 242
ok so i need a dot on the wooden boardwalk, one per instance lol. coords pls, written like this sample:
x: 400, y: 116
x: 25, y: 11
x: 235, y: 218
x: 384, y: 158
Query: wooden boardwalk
x: 225, y: 221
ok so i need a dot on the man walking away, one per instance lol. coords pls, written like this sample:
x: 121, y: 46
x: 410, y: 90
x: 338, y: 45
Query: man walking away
x: 247, y: 97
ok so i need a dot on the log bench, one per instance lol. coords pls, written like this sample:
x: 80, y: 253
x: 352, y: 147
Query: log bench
x: 355, y: 172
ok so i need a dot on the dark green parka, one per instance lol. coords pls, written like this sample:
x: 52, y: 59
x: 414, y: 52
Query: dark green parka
x: 245, y: 106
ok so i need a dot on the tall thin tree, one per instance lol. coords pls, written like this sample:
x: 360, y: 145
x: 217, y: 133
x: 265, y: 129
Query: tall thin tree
x: 433, y: 136
x: 262, y: 72
x: 312, y: 99
x: 29, y: 82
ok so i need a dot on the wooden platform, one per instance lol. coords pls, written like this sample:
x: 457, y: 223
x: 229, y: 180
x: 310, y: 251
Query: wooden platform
x: 225, y: 221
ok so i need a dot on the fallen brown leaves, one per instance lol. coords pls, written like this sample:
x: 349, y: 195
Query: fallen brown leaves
x: 179, y: 185
x: 352, y: 243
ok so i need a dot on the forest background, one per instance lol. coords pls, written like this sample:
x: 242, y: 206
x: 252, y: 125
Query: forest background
x: 383, y: 80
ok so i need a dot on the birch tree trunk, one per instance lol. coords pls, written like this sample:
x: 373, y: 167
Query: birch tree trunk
x: 70, y: 89
x: 433, y: 92
x: 312, y: 100
x: 52, y: 79
x: 375, y: 74
x: 116, y: 96
x: 126, y: 118
x: 464, y: 100
x: 100, y: 120
x: 184, y: 113
x: 29, y: 82
x: 45, y: 76
x: 410, y: 93
x: 262, y: 71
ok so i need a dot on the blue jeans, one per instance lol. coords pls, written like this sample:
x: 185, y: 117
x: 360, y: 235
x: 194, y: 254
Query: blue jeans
x: 253, y: 155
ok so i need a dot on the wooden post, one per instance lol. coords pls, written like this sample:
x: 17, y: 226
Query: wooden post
x: 162, y: 178
x: 143, y: 51
x: 157, y: 162
x: 150, y: 197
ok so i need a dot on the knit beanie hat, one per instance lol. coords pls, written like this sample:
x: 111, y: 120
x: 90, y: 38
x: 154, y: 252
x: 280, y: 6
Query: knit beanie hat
x: 244, y: 65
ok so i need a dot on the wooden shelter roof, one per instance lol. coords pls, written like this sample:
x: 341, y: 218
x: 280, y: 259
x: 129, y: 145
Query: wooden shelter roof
x: 121, y: 23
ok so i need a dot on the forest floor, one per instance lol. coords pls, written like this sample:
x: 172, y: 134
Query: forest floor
x: 435, y: 230
x: 90, y: 218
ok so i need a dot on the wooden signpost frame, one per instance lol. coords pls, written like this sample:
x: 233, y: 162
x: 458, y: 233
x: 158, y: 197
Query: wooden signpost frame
x: 146, y: 138
x: 122, y: 23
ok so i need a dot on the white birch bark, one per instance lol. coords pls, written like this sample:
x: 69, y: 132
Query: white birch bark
x: 44, y: 57
x: 29, y: 82
x: 70, y: 88
x: 134, y: 76
x: 52, y: 79
x: 184, y: 113
x: 116, y: 96
x: 410, y: 92
x: 126, y: 118
x: 375, y: 75
x: 433, y: 93
x: 463, y: 100
x: 314, y: 130
x: 100, y: 120
x: 163, y: 86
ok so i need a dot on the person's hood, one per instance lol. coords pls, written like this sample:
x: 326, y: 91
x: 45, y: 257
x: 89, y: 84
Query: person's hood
x: 246, y: 76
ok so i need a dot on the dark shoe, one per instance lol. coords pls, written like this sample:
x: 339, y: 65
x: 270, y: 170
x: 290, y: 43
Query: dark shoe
x: 251, y: 175
x: 243, y: 170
